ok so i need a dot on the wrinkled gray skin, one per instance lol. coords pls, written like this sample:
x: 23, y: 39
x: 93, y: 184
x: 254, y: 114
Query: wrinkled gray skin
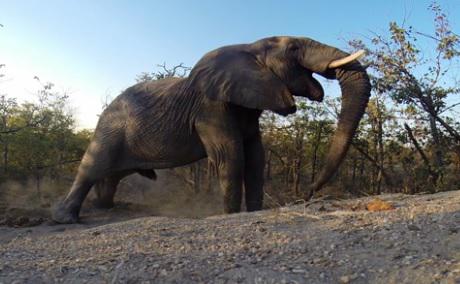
x: 215, y: 113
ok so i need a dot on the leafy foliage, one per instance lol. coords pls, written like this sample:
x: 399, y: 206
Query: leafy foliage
x: 38, y: 137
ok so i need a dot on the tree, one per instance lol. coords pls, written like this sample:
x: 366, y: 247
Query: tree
x: 164, y: 72
x: 416, y: 81
x: 43, y: 139
x: 294, y: 147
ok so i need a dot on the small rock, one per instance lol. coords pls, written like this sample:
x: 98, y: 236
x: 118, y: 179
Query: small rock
x: 317, y: 260
x: 348, y: 278
x: 413, y: 227
x: 453, y: 230
x: 345, y: 279
x: 21, y: 221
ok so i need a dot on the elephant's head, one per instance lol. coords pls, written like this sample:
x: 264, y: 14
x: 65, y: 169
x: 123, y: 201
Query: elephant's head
x: 268, y: 73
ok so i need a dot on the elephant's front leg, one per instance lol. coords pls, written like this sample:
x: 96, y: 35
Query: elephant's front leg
x: 254, y: 173
x: 225, y: 150
x: 230, y: 172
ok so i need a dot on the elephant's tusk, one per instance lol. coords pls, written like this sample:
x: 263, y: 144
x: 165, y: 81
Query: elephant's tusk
x: 355, y: 56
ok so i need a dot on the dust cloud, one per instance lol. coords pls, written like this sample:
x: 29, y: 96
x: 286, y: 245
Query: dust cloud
x: 169, y: 195
x: 29, y: 202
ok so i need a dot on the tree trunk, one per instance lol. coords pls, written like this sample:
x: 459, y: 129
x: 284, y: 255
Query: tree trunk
x: 5, y: 157
x: 428, y: 107
x: 296, y: 176
x: 315, y: 151
x: 37, y: 185
x: 387, y: 178
x: 436, y: 144
x: 297, y: 162
x: 434, y: 175
x: 268, y: 174
x: 353, y: 175
x: 380, y: 146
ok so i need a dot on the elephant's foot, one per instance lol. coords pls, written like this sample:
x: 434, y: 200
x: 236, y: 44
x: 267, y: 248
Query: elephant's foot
x: 102, y: 203
x: 253, y: 206
x: 232, y: 208
x: 64, y: 214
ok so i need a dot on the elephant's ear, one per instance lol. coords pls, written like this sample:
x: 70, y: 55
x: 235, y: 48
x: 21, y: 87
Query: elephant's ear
x: 237, y: 77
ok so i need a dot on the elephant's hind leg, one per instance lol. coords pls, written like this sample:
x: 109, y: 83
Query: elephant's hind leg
x: 105, y: 191
x: 67, y: 211
x: 106, y: 188
x: 95, y: 166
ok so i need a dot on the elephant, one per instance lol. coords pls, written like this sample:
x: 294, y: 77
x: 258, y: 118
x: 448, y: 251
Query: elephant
x: 214, y: 113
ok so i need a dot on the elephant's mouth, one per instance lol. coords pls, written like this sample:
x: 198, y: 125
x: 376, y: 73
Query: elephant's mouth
x: 286, y: 111
x: 316, y: 98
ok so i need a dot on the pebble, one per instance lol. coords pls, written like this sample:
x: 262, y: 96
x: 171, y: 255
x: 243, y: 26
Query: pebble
x: 348, y: 278
x: 317, y: 260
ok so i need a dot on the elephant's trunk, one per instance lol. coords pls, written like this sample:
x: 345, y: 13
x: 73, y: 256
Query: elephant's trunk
x: 355, y: 87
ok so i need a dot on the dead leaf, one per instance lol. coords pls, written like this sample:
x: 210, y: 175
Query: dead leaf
x: 379, y: 205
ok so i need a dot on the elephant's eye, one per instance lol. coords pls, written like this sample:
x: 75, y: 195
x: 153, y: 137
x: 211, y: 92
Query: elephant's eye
x: 293, y: 47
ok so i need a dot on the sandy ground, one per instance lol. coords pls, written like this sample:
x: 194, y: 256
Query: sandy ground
x: 327, y: 241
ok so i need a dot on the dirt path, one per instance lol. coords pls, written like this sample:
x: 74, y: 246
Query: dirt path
x: 327, y: 242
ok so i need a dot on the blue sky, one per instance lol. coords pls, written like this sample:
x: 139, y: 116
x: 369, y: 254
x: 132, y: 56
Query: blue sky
x: 94, y: 49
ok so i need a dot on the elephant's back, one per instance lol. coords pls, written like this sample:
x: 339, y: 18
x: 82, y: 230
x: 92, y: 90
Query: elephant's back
x: 149, y: 94
x: 138, y: 99
x: 154, y: 117
x: 136, y: 106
